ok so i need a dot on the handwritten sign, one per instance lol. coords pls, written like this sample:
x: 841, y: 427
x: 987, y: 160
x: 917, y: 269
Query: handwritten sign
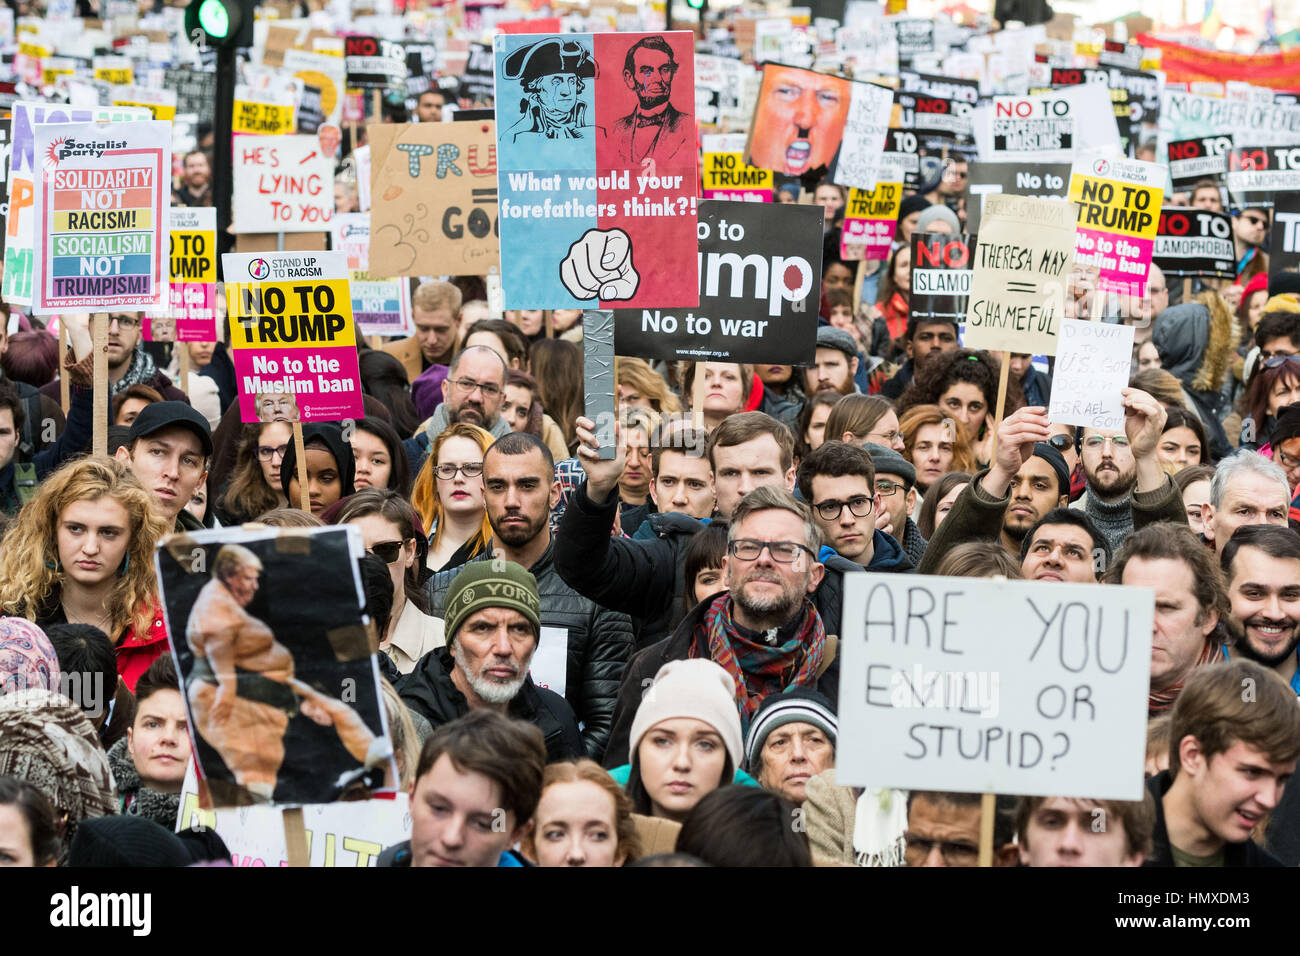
x: 1024, y: 255
x: 1092, y: 368
x: 285, y: 184
x: 985, y: 686
x: 380, y: 306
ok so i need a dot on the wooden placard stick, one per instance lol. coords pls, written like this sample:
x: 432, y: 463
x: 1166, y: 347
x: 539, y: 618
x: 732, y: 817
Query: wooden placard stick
x: 64, y: 398
x: 1187, y: 288
x: 697, y: 396
x: 1004, y: 377
x: 858, y: 278
x: 185, y: 365
x: 295, y: 834
x: 1098, y: 304
x: 988, y: 810
x: 99, y: 331
x: 300, y: 451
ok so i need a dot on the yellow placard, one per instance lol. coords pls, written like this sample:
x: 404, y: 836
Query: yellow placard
x: 118, y: 76
x: 1109, y: 205
x: 308, y: 314
x: 267, y: 119
x: 730, y: 171
x: 193, y: 255
x: 160, y: 111
x: 110, y: 221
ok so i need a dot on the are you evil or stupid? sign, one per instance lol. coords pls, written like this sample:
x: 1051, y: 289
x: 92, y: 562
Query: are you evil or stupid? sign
x: 760, y: 268
x: 292, y: 338
x: 987, y: 686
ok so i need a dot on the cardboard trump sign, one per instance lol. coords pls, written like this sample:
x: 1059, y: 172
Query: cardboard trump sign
x: 598, y: 172
x: 987, y: 686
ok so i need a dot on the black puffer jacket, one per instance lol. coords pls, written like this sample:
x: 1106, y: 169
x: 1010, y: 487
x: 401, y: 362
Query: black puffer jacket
x: 429, y: 691
x: 600, y: 644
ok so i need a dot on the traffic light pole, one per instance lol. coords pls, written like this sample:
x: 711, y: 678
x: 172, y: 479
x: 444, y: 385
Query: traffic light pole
x: 223, y: 180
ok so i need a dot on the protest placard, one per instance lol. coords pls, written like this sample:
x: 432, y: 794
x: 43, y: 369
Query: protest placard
x: 1191, y: 160
x: 858, y: 162
x: 1022, y: 261
x: 597, y: 180
x: 193, y: 258
x: 291, y: 333
x: 1185, y: 115
x: 994, y: 686
x: 101, y: 201
x: 1048, y: 127
x: 870, y: 220
x: 1285, y: 249
x: 117, y: 70
x: 264, y: 112
x: 374, y: 63
x: 6, y: 147
x: 760, y: 283
x: 277, y: 666
x: 20, y: 222
x: 285, y: 184
x: 433, y: 190
x: 799, y: 119
x: 160, y: 103
x: 379, y: 306
x: 725, y: 174
x: 1090, y: 373
x: 478, y: 79
x: 720, y: 92
x: 1063, y: 78
x: 1258, y: 173
x: 326, y: 73
x: 1119, y: 209
x: 1037, y: 180
x: 914, y: 35
x: 1196, y: 242
x: 949, y: 87
x: 940, y: 277
x: 934, y: 117
x: 348, y: 834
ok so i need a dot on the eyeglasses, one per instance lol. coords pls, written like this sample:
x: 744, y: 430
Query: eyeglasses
x: 467, y: 385
x: 124, y: 321
x: 1286, y: 461
x: 1060, y: 442
x: 860, y: 507
x: 1277, y: 361
x: 918, y: 848
x: 471, y: 469
x: 748, y: 549
x: 1096, y: 441
x: 387, y: 551
x: 885, y: 438
x: 886, y: 488
x: 266, y: 452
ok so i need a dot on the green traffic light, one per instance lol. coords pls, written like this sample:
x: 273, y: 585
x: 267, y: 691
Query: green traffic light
x: 214, y: 19
x: 695, y: 4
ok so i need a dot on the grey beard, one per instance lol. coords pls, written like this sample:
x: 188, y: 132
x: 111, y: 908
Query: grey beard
x: 493, y: 691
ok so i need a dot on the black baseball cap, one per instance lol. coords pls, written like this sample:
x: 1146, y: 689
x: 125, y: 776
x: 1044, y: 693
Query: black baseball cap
x: 156, y: 416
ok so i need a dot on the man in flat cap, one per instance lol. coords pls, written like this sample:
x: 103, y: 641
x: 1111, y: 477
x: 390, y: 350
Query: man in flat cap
x: 553, y: 74
x: 655, y: 128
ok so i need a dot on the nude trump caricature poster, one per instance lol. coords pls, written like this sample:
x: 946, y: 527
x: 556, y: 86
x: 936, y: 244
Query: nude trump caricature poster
x: 596, y: 151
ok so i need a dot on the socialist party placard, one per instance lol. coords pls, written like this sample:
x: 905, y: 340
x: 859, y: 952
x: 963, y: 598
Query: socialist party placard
x: 292, y: 337
x: 1196, y: 242
x: 101, y: 200
x: 760, y: 269
x: 597, y: 171
x: 20, y: 223
x: 941, y: 274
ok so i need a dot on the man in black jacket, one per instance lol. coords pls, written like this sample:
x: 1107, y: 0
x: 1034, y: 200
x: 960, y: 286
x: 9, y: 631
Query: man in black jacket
x: 764, y: 631
x: 1233, y: 742
x: 644, y: 577
x: 520, y: 490
x: 493, y: 629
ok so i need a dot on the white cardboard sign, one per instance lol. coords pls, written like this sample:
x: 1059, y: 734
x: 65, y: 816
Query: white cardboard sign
x: 1092, y: 366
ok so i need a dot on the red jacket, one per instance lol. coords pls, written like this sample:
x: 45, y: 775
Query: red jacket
x: 137, y: 651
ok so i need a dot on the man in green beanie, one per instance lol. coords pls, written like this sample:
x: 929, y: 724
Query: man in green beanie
x: 492, y: 618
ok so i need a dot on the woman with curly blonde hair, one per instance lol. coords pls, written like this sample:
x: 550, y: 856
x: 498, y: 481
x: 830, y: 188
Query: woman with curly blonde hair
x: 639, y: 384
x: 448, y: 496
x: 81, y: 552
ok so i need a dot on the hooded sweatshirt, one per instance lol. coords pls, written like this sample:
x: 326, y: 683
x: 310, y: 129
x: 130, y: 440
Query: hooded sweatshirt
x: 332, y: 435
x: 1195, y: 342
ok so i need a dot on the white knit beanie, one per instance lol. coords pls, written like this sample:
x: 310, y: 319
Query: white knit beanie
x: 695, y: 688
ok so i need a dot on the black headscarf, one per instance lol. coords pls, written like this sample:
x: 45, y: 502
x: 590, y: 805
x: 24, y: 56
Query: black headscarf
x: 331, y: 435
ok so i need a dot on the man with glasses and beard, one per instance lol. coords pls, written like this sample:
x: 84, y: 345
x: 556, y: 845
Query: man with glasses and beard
x: 519, y: 490
x: 128, y: 363
x: 764, y: 631
x: 655, y: 129
x: 471, y: 393
x: 493, y: 630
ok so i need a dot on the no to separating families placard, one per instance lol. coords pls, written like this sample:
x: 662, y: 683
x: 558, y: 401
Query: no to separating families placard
x: 101, y: 199
x: 291, y: 332
x: 983, y: 686
x: 1022, y: 261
